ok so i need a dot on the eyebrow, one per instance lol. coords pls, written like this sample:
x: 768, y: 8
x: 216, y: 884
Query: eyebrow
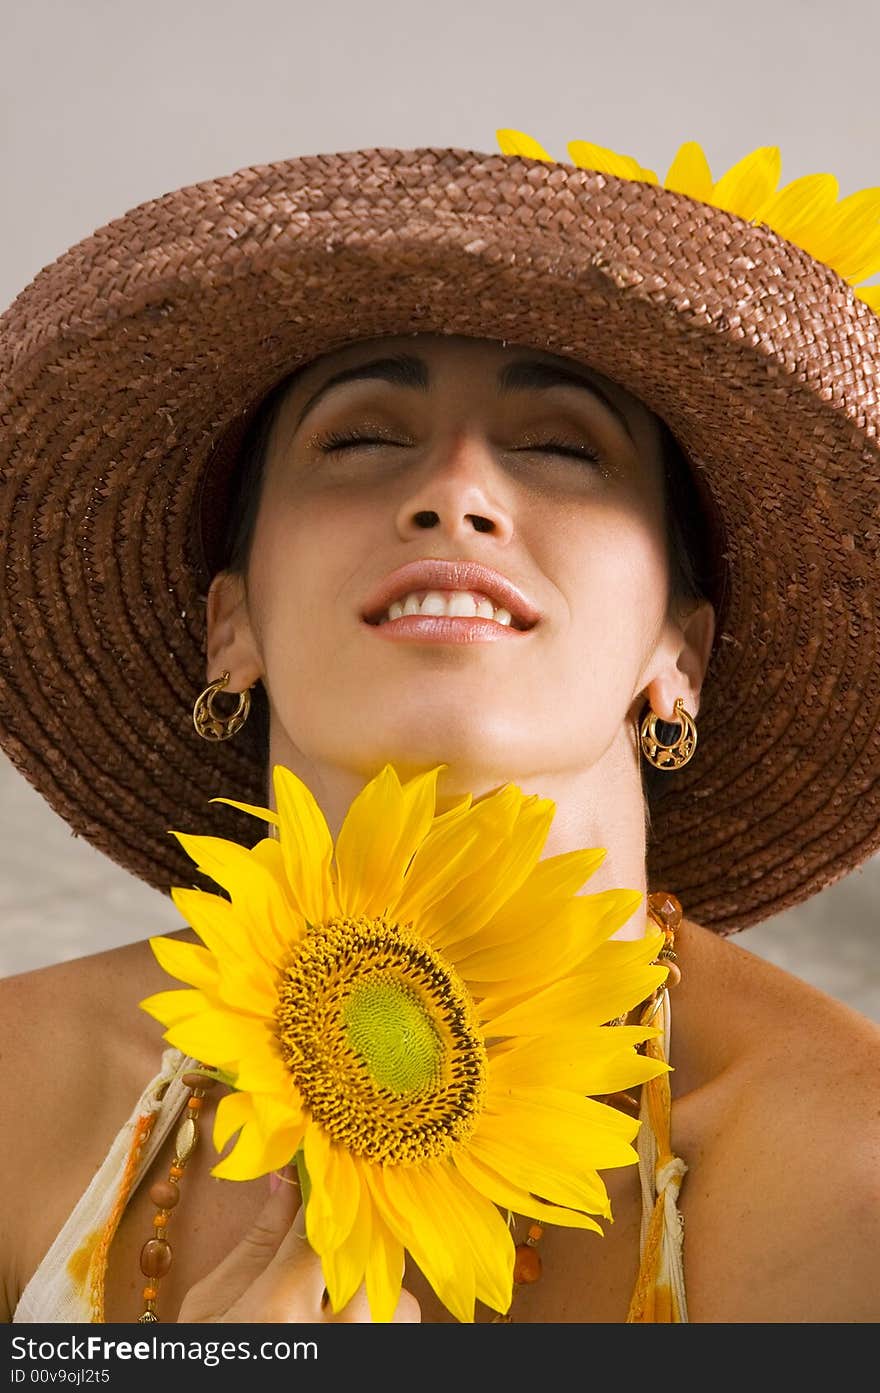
x: 405, y: 370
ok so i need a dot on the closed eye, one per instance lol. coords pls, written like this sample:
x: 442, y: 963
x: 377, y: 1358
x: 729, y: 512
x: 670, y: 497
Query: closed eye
x: 336, y: 440
x: 556, y: 447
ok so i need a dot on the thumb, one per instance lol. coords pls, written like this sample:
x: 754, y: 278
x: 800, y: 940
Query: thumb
x: 216, y: 1292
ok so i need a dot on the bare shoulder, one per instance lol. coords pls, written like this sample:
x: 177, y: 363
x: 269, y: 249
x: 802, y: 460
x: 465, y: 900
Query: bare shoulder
x: 76, y: 1052
x: 784, y: 1186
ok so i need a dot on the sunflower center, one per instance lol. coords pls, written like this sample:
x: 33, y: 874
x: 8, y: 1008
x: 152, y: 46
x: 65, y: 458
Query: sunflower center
x: 393, y: 1033
x: 382, y: 1040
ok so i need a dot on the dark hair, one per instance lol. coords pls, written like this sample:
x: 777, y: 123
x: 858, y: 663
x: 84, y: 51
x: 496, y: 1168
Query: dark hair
x: 693, y: 559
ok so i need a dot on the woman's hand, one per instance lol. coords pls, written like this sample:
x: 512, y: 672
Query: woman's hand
x: 273, y: 1275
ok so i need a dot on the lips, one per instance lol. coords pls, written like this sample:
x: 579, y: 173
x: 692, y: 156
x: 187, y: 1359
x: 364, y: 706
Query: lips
x: 435, y: 574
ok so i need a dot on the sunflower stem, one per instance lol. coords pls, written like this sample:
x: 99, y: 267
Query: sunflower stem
x: 305, y: 1185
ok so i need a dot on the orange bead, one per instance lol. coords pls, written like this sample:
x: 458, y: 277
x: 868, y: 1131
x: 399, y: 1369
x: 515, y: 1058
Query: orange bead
x: 665, y: 909
x: 527, y: 1266
x: 150, y: 1293
x: 160, y: 1220
x: 194, y: 1104
x: 175, y: 1171
x: 536, y: 1232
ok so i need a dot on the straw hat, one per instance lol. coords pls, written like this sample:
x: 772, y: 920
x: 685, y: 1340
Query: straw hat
x: 129, y: 365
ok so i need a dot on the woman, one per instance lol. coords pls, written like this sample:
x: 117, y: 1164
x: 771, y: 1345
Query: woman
x: 332, y: 368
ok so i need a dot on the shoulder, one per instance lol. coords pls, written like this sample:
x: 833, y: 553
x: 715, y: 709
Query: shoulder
x: 76, y: 1053
x: 792, y: 1146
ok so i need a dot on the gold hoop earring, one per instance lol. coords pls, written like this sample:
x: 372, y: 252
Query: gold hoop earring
x: 681, y: 750
x: 208, y: 723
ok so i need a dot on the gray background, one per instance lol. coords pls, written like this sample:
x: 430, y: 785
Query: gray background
x: 105, y: 105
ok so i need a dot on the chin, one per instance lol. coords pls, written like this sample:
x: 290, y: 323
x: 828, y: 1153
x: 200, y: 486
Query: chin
x: 478, y: 755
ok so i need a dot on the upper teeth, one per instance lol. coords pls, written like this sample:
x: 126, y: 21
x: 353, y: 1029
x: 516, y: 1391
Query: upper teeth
x: 466, y: 603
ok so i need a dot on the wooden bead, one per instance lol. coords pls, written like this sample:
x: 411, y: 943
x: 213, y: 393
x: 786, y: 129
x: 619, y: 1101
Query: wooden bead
x: 674, y: 976
x: 155, y: 1257
x: 198, y: 1081
x: 527, y: 1264
x: 164, y: 1194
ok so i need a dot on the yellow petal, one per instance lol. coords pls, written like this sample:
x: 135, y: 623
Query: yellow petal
x: 550, y: 887
x: 306, y: 845
x: 584, y: 1060
x: 850, y: 236
x: 270, y: 1135
x: 464, y: 909
x: 345, y: 1266
x: 490, y: 1244
x: 455, y: 813
x: 749, y: 183
x: 186, y: 961
x: 233, y: 1111
x: 454, y: 849
x: 517, y: 143
x: 689, y: 172
x: 221, y: 1037
x: 284, y: 919
x: 588, y: 156
x: 553, y: 946
x: 384, y: 1269
x: 500, y: 1190
x: 264, y: 1072
x: 802, y: 204
x: 247, y: 1160
x: 265, y: 814
x: 172, y: 1007
x: 246, y: 975
x: 593, y: 998
x: 440, y: 1249
x: 335, y: 1193
x: 247, y: 926
x: 382, y: 829
x: 871, y: 296
x: 545, y: 1166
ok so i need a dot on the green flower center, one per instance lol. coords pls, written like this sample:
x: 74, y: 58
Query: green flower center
x: 382, y: 1040
x: 394, y: 1034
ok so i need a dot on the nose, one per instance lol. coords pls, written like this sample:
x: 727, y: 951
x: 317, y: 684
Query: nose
x: 460, y: 490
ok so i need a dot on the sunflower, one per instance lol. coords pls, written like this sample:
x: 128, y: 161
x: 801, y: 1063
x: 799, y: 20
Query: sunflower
x: 844, y: 235
x: 421, y: 1014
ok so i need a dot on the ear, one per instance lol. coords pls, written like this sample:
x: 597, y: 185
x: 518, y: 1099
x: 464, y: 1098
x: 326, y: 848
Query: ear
x: 231, y: 642
x: 679, y: 663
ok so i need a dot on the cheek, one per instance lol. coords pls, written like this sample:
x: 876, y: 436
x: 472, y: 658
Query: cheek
x: 617, y: 583
x: 304, y: 550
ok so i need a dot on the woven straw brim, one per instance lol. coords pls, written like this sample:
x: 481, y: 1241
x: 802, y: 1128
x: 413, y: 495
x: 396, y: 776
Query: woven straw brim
x: 123, y: 364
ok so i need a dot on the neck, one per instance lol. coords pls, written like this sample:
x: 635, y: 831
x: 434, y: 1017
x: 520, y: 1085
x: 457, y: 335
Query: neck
x: 600, y: 806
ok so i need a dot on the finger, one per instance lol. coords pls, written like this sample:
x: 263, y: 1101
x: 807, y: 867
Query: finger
x: 291, y: 1286
x: 210, y: 1298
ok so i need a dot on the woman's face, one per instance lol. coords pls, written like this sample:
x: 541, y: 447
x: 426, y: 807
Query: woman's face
x: 529, y: 465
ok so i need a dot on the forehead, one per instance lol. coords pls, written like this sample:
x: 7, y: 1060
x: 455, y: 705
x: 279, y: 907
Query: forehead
x: 443, y: 354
